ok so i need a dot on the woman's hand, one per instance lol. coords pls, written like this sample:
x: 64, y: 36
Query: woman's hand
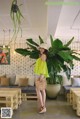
x: 41, y: 78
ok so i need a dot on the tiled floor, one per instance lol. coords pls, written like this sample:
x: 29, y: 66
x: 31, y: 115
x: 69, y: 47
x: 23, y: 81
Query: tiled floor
x: 56, y: 109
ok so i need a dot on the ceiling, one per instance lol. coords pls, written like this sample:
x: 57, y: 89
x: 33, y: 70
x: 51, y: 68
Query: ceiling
x: 69, y: 21
x: 61, y: 21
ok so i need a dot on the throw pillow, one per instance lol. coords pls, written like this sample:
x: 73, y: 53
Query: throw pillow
x: 31, y: 80
x: 2, y: 76
x: 18, y: 76
x: 12, y: 78
x: 75, y: 81
x: 5, y: 81
x: 23, y: 82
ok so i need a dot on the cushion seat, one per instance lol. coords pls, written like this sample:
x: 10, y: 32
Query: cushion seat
x: 68, y: 87
x: 24, y: 89
x: 28, y: 89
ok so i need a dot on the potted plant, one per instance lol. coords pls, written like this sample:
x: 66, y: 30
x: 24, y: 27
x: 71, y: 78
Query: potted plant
x: 58, y: 54
x: 60, y: 58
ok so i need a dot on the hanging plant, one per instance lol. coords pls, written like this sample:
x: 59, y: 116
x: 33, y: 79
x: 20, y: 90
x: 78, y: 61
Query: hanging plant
x: 16, y: 16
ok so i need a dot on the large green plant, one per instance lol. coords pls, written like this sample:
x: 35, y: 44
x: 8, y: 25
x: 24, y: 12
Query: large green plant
x: 60, y: 57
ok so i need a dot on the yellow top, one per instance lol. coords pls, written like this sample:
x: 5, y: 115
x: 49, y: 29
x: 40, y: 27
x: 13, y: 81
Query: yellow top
x: 41, y: 67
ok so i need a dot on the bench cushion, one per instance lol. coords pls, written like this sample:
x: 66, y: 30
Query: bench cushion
x: 67, y: 88
x: 24, y: 89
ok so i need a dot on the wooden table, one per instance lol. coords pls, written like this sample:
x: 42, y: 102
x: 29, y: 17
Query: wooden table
x: 11, y: 97
x: 17, y: 90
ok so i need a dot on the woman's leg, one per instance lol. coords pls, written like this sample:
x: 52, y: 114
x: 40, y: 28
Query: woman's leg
x: 43, y: 93
x: 40, y: 99
x: 43, y: 100
x: 44, y: 97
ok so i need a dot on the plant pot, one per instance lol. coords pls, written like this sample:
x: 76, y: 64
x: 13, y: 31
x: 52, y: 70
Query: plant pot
x: 52, y: 90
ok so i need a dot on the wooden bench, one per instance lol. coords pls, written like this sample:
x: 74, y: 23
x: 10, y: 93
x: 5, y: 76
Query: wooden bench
x: 26, y: 96
x: 75, y: 99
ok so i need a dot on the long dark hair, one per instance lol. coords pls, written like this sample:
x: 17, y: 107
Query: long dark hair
x: 45, y: 52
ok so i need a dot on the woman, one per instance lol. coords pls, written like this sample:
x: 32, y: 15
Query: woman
x: 42, y: 72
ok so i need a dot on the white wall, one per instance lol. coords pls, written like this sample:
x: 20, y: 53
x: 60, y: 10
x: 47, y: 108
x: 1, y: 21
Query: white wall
x: 18, y: 63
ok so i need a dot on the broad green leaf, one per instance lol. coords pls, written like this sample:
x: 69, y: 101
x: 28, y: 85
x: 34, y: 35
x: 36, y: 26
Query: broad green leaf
x: 59, y: 79
x: 54, y: 63
x: 69, y: 42
x: 41, y: 40
x: 34, y: 54
x: 31, y: 46
x: 60, y: 59
x: 70, y: 63
x: 67, y: 71
x: 30, y: 40
x: 51, y: 39
x: 64, y: 48
x: 51, y: 51
x: 76, y: 58
x: 22, y: 51
x: 65, y: 55
x: 57, y: 44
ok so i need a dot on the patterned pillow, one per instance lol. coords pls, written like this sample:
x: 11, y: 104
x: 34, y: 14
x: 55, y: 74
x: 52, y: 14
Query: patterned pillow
x: 18, y: 76
x: 5, y: 81
x: 23, y: 82
x: 2, y: 76
x: 30, y: 79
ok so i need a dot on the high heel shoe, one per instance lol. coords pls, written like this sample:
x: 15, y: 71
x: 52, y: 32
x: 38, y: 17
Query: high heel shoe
x: 43, y: 110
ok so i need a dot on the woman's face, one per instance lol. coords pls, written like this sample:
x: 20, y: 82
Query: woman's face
x: 41, y: 50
